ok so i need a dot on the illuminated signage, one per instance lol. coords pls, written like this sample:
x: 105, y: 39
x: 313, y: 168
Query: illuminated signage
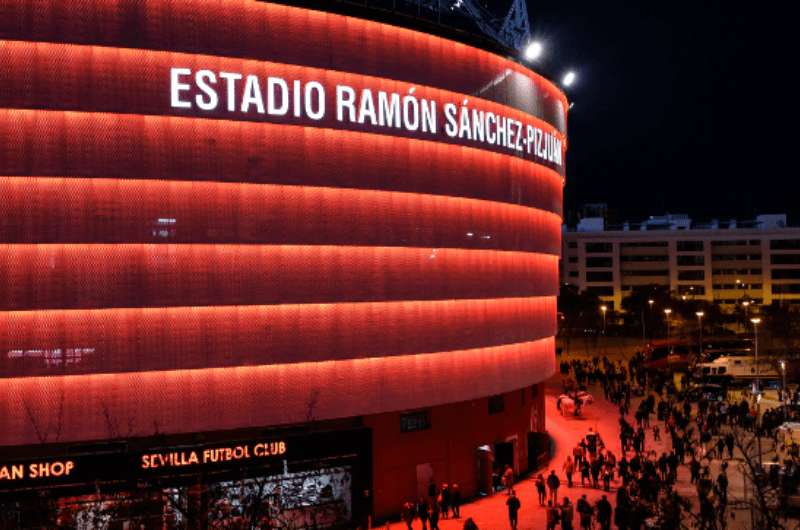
x: 36, y: 470
x: 273, y: 96
x: 212, y: 455
x: 87, y: 468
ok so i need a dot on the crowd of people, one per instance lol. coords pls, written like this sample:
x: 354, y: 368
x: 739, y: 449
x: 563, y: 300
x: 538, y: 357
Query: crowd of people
x: 642, y: 478
x: 440, y: 503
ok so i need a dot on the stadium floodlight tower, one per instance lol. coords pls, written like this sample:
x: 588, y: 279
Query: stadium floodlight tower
x: 512, y: 31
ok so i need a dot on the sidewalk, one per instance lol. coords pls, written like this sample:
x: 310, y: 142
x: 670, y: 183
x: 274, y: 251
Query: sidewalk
x: 491, y: 513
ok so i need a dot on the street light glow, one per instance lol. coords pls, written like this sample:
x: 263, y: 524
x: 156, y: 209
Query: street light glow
x: 700, y: 314
x: 756, y: 321
x: 667, y: 311
x: 746, y: 303
x: 603, y: 308
x: 569, y: 78
x: 534, y: 50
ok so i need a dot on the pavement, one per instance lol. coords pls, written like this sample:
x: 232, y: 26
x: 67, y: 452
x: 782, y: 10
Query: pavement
x: 490, y: 513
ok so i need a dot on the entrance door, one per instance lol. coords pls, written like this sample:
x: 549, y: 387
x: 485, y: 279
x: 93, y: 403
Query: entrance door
x: 424, y: 476
x: 504, y: 455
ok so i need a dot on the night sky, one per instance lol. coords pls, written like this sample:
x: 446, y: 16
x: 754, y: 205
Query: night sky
x: 677, y: 107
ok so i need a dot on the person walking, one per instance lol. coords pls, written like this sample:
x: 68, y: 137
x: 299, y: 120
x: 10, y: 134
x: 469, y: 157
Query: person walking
x: 567, y: 514
x: 585, y: 512
x: 408, y: 514
x: 444, y: 500
x: 604, y: 513
x: 508, y: 479
x: 435, y: 513
x: 552, y: 516
x: 553, y: 483
x: 513, y: 509
x: 455, y: 500
x: 569, y: 469
x: 422, y: 512
x: 540, y: 489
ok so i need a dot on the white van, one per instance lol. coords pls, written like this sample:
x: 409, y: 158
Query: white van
x: 736, y: 368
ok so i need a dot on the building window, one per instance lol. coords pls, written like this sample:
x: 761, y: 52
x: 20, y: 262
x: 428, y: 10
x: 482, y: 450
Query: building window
x: 599, y: 276
x: 691, y: 275
x: 690, y: 246
x: 593, y: 248
x: 572, y: 244
x: 534, y: 391
x: 692, y: 289
x: 786, y: 274
x: 785, y: 244
x: 654, y: 272
x: 600, y: 290
x: 598, y: 262
x: 573, y: 274
x: 732, y: 243
x: 496, y: 404
x: 644, y: 258
x: 573, y: 259
x: 415, y: 421
x: 755, y: 271
x: 786, y: 288
x: 691, y: 260
x: 644, y: 244
x: 785, y: 259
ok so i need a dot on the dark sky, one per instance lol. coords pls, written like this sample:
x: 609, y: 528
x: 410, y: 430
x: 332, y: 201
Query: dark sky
x: 678, y: 106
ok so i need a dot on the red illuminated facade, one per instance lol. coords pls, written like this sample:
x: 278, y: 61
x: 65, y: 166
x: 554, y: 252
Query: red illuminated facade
x: 173, y: 271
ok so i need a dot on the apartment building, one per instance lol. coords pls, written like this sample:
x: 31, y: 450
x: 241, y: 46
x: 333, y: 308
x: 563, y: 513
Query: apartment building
x: 727, y: 262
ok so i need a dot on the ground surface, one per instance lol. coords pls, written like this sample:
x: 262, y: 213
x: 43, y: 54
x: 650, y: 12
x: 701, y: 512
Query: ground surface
x: 491, y: 514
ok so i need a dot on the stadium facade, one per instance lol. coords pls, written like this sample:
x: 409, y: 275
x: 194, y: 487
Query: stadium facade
x: 247, y: 241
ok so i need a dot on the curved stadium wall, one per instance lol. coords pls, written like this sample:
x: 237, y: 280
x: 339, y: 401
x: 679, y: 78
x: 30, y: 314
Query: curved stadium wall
x: 205, y: 270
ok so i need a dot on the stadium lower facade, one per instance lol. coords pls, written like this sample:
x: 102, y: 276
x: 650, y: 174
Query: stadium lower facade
x: 264, y: 261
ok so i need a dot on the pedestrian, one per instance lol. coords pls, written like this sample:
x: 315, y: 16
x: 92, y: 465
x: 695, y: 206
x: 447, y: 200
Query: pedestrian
x: 540, y: 489
x: 553, y: 483
x: 552, y: 516
x: 585, y: 512
x: 513, y: 509
x: 577, y: 455
x: 469, y: 524
x: 656, y: 433
x: 422, y: 512
x: 584, y: 473
x: 604, y: 513
x: 435, y: 513
x: 567, y: 514
x: 569, y: 469
x: 409, y: 512
x: 444, y: 500
x: 508, y: 479
x: 729, y: 444
x: 455, y: 500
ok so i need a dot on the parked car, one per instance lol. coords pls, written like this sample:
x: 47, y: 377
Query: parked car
x: 707, y: 391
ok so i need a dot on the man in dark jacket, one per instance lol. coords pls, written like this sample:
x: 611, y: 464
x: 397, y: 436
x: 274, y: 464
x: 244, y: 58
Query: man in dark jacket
x: 604, y: 513
x: 553, y: 483
x: 513, y: 509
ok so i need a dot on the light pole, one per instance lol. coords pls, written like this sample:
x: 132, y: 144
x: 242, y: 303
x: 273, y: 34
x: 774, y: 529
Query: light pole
x: 650, y: 303
x: 603, y: 309
x: 746, y: 305
x: 756, y: 321
x: 783, y: 386
x: 667, y: 312
x: 700, y: 315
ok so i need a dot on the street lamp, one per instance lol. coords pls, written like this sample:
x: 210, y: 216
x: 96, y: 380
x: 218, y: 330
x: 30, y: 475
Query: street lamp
x: 756, y: 321
x: 784, y: 394
x: 700, y: 315
x: 533, y: 51
x: 667, y: 312
x: 604, y: 308
x: 569, y: 79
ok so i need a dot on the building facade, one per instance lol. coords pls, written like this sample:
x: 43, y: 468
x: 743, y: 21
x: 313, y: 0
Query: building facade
x: 247, y: 246
x: 725, y: 263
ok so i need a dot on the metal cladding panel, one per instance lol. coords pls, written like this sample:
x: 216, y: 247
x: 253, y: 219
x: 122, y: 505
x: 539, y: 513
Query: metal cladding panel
x: 128, y: 404
x: 172, y: 270
x: 291, y: 35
